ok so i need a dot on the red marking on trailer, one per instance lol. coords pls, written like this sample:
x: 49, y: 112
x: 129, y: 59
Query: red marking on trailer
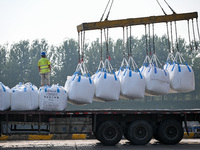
x: 86, y: 113
x: 107, y: 113
x: 176, y: 112
x: 70, y: 113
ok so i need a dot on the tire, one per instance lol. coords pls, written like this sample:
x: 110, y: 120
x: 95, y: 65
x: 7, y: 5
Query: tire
x: 140, y: 132
x: 170, y: 132
x: 109, y: 133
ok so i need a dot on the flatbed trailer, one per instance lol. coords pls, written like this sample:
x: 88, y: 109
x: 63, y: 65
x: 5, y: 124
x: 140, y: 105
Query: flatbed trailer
x: 108, y: 125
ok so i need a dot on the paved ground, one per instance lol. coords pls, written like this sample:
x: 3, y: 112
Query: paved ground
x: 185, y: 144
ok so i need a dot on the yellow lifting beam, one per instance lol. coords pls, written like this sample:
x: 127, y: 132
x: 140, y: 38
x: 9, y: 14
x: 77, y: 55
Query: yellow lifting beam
x: 135, y: 21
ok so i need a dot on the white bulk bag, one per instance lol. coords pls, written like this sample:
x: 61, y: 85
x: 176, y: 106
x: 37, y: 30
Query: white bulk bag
x: 181, y: 76
x: 132, y: 82
x: 80, y: 86
x: 157, y: 80
x: 52, y: 98
x: 4, y: 97
x: 107, y: 85
x: 24, y: 97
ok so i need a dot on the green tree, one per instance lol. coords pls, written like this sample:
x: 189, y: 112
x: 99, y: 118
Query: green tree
x: 3, y: 62
x: 17, y: 69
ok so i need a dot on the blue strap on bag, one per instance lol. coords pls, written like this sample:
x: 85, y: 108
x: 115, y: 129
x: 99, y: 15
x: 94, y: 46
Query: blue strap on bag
x: 89, y: 78
x: 155, y: 69
x: 142, y: 68
x: 165, y: 72
x: 3, y: 87
x: 140, y: 73
x: 30, y: 85
x: 25, y: 89
x: 114, y: 75
x: 188, y: 67
x: 130, y: 73
x: 46, y: 87
x: 105, y: 74
x: 179, y: 68
x: 99, y: 75
x: 74, y: 76
x: 58, y: 90
x: 79, y: 78
x: 173, y: 66
x: 118, y: 72
x: 149, y: 69
x: 125, y: 72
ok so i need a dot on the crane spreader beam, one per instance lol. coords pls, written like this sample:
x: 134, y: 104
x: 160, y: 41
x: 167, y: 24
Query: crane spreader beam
x: 135, y: 21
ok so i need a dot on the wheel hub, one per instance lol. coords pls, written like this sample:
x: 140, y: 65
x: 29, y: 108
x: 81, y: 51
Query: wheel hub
x: 171, y: 132
x: 110, y: 133
x: 140, y: 132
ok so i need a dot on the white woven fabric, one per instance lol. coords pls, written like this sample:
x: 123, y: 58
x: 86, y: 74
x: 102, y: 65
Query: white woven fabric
x: 80, y: 86
x: 24, y: 97
x: 107, y: 85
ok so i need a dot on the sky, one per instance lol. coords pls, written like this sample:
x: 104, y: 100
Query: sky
x: 57, y: 20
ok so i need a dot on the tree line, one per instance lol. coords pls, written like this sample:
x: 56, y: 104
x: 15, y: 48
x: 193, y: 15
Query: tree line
x: 19, y: 60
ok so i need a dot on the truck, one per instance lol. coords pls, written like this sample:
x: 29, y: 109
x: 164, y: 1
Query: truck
x: 107, y: 125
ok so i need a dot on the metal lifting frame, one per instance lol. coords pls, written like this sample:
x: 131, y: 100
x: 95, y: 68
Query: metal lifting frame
x: 135, y: 21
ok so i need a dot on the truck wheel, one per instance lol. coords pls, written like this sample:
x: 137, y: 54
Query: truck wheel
x: 140, y: 132
x: 170, y: 132
x: 109, y: 133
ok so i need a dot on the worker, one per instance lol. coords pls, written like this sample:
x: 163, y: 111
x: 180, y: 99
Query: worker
x: 44, y: 67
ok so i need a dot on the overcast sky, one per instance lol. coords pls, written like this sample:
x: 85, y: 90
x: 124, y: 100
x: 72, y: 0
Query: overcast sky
x: 56, y: 20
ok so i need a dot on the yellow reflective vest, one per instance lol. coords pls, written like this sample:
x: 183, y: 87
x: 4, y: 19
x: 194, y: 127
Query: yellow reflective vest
x: 44, y: 63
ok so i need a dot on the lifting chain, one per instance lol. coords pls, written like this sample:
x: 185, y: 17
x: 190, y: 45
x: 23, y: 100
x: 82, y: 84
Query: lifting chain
x: 130, y: 43
x: 124, y: 43
x: 198, y: 28
x: 172, y: 43
x: 194, y: 35
x: 176, y: 37
x: 149, y: 41
x: 82, y: 44
x: 79, y: 57
x: 168, y: 41
x: 107, y: 41
x: 153, y: 39
x: 146, y: 39
x: 101, y: 44
x: 127, y: 48
x: 190, y: 44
